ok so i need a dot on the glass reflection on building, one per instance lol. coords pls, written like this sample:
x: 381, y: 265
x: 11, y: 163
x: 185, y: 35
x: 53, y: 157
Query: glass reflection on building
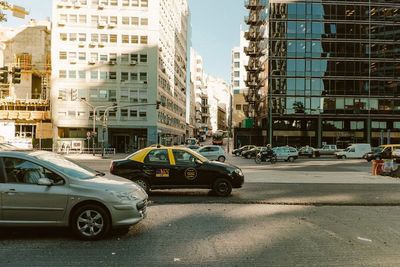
x: 334, y: 71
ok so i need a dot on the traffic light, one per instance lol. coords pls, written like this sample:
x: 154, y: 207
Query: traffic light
x: 158, y: 104
x: 16, y: 75
x: 4, y: 74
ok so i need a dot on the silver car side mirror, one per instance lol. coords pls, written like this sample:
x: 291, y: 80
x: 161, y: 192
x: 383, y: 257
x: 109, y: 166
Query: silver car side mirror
x: 44, y: 181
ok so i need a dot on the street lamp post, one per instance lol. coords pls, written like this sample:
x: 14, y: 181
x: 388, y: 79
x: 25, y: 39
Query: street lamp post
x: 95, y: 109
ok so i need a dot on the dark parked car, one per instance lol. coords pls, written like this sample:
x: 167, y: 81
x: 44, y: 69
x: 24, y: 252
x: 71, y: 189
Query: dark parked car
x: 252, y: 153
x: 177, y: 167
x: 238, y: 151
x: 376, y: 153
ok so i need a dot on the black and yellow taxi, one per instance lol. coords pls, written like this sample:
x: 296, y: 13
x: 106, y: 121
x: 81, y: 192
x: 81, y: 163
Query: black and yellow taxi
x: 177, y: 167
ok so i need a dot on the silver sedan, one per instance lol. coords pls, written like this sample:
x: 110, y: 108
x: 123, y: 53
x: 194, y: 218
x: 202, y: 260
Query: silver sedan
x: 42, y: 188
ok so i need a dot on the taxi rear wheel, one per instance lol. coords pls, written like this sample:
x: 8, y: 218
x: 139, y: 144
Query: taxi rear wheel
x: 221, y: 159
x: 222, y: 187
x: 143, y: 183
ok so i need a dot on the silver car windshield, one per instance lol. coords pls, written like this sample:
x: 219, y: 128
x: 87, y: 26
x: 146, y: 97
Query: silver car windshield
x: 67, y: 166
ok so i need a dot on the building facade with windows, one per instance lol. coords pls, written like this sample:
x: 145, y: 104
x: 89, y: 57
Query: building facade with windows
x: 126, y: 53
x: 238, y: 85
x: 333, y: 72
x: 25, y: 118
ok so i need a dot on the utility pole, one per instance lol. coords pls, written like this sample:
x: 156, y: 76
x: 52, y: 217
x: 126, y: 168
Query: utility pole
x: 17, y: 11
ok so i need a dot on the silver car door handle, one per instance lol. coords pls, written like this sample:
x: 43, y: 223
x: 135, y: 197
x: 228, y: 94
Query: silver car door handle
x: 11, y: 192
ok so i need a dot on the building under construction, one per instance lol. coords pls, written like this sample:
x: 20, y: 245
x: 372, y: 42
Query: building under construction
x: 24, y: 96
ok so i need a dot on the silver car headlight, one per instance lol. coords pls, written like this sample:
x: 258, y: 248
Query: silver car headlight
x: 125, y: 196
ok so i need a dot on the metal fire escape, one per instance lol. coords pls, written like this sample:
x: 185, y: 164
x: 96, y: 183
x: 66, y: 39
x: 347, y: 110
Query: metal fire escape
x: 254, y: 51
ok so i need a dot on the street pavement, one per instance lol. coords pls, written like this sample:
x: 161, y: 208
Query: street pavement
x: 313, y: 212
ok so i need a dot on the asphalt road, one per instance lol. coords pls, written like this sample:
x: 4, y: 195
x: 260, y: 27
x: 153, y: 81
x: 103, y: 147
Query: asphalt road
x: 308, y: 213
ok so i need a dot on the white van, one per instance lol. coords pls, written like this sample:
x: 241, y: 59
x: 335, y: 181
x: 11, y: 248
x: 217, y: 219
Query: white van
x: 355, y: 151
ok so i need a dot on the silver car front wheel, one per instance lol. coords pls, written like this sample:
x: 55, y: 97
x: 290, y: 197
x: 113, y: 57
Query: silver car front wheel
x: 91, y: 222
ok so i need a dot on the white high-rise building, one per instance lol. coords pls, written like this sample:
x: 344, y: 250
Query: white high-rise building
x: 218, y: 96
x: 126, y: 53
x: 238, y: 77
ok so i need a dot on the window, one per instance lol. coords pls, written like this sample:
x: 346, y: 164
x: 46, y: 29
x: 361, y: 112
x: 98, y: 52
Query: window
x: 63, y: 17
x: 236, y: 55
x: 104, y: 38
x: 82, y: 74
x: 94, y: 20
x: 94, y: 75
x: 113, y: 38
x: 237, y: 64
x: 144, y: 21
x: 143, y: 39
x: 73, y: 19
x: 72, y: 55
x: 238, y: 107
x: 72, y: 74
x: 82, y: 56
x: 124, y: 95
x: 135, y: 21
x: 125, y: 39
x: 158, y: 156
x: 113, y: 2
x: 236, y: 73
x: 62, y: 74
x: 143, y: 76
x: 82, y: 19
x: 236, y: 83
x: 113, y: 57
x: 94, y: 56
x: 143, y: 58
x: 125, y: 20
x: 72, y: 37
x: 124, y: 76
x: 94, y: 37
x: 103, y: 58
x: 134, y: 39
x: 144, y: 3
x: 82, y: 37
x: 124, y: 113
x: 63, y: 37
x: 133, y: 113
x: 103, y: 75
x: 125, y: 2
x: 134, y: 3
x: 183, y: 157
x: 63, y: 55
x: 112, y: 75
x: 113, y: 19
x: 23, y: 171
x: 124, y: 58
x: 142, y: 114
x: 134, y: 76
x: 134, y: 58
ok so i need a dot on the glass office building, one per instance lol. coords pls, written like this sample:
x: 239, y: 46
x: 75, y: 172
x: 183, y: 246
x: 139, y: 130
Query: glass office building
x: 333, y: 72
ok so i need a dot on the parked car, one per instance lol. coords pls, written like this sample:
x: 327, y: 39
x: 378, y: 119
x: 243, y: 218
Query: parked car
x: 354, y: 151
x: 286, y: 153
x: 177, y: 167
x: 374, y: 154
x: 8, y: 147
x: 193, y: 147
x: 328, y: 150
x: 212, y: 152
x: 252, y: 153
x: 238, y: 151
x: 45, y: 189
x: 389, y: 151
x: 308, y: 151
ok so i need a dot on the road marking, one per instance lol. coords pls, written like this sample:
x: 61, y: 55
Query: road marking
x: 364, y: 239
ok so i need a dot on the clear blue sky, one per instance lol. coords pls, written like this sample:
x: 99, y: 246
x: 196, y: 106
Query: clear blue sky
x: 215, y: 28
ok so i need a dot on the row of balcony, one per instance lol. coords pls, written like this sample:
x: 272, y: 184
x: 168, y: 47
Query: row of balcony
x: 24, y: 115
x: 100, y: 24
x: 255, y: 19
